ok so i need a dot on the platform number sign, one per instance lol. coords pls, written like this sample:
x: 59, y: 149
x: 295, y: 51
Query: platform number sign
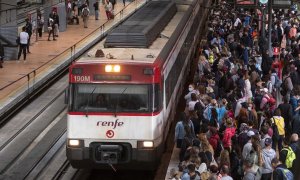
x: 110, y: 133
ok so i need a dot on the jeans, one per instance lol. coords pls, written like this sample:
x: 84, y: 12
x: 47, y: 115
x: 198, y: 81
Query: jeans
x: 22, y: 48
x: 51, y: 32
x: 277, y: 142
x: 96, y: 14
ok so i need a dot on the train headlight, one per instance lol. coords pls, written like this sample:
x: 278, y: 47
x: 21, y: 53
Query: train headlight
x: 112, y: 68
x: 108, y: 68
x: 74, y: 142
x: 145, y: 144
x: 117, y: 68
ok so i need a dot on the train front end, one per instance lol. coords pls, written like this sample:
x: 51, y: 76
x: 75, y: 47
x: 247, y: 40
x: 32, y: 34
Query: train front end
x: 114, y: 115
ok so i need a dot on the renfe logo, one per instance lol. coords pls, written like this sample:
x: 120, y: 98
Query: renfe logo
x: 109, y: 123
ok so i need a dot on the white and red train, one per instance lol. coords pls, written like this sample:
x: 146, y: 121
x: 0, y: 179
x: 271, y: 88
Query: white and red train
x: 120, y: 109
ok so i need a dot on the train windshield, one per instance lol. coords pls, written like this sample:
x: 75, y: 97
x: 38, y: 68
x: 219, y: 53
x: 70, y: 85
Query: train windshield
x: 114, y: 98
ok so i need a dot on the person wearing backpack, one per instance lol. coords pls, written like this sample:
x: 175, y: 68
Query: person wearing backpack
x: 280, y: 171
x: 85, y: 15
x: 278, y: 129
x: 287, y: 155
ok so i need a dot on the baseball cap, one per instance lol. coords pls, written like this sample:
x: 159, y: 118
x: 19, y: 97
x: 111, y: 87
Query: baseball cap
x: 250, y: 133
x: 268, y: 141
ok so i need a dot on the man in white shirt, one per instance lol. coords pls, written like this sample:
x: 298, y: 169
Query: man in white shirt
x: 23, y: 43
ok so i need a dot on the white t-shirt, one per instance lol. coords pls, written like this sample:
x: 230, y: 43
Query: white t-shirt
x: 24, y: 37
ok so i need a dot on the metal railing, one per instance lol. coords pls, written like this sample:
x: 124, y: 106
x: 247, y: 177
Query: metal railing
x: 69, y: 53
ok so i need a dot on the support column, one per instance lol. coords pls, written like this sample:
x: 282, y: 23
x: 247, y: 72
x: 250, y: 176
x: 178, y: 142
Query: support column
x: 8, y: 28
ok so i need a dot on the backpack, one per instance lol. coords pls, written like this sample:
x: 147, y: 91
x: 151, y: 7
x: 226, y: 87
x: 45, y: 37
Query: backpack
x: 275, y: 130
x: 283, y: 88
x: 290, y: 157
x: 85, y: 12
x: 278, y: 82
x: 288, y: 175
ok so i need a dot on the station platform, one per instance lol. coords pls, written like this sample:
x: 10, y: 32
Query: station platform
x: 173, y: 164
x: 19, y: 78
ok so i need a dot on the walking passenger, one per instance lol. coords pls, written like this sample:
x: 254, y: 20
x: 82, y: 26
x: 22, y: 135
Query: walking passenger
x: 24, y: 38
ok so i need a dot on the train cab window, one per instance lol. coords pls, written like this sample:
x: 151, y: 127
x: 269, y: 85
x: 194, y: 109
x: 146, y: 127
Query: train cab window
x: 111, y: 98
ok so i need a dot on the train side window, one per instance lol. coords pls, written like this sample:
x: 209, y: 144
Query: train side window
x: 158, y: 98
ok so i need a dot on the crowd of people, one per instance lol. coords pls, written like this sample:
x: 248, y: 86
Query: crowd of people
x: 242, y: 119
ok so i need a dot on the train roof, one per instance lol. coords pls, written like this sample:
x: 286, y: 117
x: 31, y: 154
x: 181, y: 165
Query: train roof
x: 140, y: 55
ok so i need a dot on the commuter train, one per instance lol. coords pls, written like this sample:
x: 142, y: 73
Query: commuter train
x: 120, y: 106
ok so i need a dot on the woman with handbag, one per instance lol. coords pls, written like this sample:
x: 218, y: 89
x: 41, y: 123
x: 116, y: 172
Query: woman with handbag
x: 51, y: 27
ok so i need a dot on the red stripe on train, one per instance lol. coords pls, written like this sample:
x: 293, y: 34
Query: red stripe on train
x: 113, y: 114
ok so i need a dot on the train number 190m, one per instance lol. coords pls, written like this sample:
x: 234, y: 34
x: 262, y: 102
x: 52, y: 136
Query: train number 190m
x: 82, y: 78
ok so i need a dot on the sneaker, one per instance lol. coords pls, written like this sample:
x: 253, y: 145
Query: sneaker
x: 49, y: 40
x: 54, y: 39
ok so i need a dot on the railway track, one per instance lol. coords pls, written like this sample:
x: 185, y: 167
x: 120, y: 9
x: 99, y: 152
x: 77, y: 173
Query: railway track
x: 34, y: 135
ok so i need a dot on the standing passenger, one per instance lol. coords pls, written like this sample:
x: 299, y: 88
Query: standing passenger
x: 24, y: 37
x: 51, y: 27
x: 40, y: 23
x: 85, y: 15
x: 96, y: 6
x: 108, y: 9
x: 55, y: 18
x: 28, y: 29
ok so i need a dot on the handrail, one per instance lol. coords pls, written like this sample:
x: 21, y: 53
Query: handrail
x: 72, y: 48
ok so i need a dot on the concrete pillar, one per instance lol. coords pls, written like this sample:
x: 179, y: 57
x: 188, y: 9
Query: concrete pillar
x: 61, y: 10
x: 8, y: 28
